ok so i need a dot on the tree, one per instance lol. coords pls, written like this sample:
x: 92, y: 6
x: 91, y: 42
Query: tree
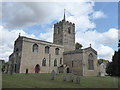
x: 102, y: 61
x: 78, y: 46
x: 4, y: 66
x: 113, y: 68
x: 109, y: 69
x: 116, y: 63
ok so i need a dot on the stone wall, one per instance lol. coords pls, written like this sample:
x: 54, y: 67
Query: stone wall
x: 77, y: 60
x: 30, y: 59
x: 15, y: 57
x: 86, y: 71
x: 62, y: 35
x: 73, y: 59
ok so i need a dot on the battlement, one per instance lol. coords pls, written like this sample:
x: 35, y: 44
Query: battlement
x: 65, y: 22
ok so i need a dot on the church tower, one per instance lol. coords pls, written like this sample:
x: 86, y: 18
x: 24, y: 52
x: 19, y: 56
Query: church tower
x: 64, y: 34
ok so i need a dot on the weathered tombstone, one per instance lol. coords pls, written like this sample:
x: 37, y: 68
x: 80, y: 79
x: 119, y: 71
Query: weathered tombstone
x: 26, y: 71
x: 53, y: 75
x: 71, y: 78
x: 78, y: 79
x: 64, y: 78
x: 11, y: 70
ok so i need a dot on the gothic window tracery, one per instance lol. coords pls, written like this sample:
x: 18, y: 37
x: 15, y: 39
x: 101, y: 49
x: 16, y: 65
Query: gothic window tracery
x: 90, y: 62
x: 69, y: 30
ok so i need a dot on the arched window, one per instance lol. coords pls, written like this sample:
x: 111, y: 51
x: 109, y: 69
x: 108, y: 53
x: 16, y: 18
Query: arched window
x: 90, y: 62
x: 35, y: 48
x: 47, y: 49
x: 44, y: 62
x: 60, y: 60
x: 69, y: 30
x: 57, y: 51
x: 55, y: 62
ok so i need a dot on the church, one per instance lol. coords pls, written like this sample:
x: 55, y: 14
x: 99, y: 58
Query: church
x: 37, y: 56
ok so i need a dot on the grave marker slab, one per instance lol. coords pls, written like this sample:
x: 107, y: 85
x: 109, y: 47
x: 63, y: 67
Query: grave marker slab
x: 53, y: 75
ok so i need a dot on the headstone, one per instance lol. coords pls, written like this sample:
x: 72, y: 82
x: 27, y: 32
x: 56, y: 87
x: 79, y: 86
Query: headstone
x: 78, y: 79
x: 11, y: 70
x: 64, y: 78
x: 53, y: 75
x: 71, y: 78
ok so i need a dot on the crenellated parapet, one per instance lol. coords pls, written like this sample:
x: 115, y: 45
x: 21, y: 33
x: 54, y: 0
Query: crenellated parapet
x: 64, y: 22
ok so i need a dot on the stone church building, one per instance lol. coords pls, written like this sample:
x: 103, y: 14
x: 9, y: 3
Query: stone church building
x: 37, y: 56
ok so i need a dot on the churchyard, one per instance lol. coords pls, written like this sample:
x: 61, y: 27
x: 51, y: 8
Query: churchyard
x: 59, y: 81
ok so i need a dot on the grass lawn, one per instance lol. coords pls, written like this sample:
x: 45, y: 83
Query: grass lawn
x: 44, y: 81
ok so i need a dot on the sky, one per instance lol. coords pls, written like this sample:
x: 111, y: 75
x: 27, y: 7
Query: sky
x: 96, y: 23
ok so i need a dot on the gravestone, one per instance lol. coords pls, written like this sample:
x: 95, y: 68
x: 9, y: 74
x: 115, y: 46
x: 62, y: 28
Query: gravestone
x: 11, y: 70
x: 78, y: 79
x: 72, y: 78
x: 53, y: 75
x: 64, y: 78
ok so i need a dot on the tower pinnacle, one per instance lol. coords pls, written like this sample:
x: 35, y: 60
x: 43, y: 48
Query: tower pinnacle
x: 90, y: 44
x: 19, y: 34
x: 64, y: 15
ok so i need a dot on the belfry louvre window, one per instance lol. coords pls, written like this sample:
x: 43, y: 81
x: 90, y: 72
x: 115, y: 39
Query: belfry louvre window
x: 44, y: 62
x: 55, y: 62
x: 47, y: 48
x: 58, y: 30
x: 35, y: 48
x: 90, y: 62
x: 69, y: 30
x: 57, y: 51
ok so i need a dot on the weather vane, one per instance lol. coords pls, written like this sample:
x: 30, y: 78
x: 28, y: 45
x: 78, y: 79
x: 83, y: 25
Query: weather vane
x: 64, y: 15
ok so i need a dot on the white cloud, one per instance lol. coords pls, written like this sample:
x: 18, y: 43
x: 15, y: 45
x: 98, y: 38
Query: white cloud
x: 82, y: 23
x: 44, y: 13
x: 110, y: 36
x: 7, y: 41
x: 98, y: 14
x: 105, y: 52
x: 119, y: 34
x: 100, y: 41
x: 47, y: 36
x: 17, y: 15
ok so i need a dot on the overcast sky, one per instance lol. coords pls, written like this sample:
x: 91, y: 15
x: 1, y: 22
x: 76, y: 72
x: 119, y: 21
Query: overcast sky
x: 96, y: 23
